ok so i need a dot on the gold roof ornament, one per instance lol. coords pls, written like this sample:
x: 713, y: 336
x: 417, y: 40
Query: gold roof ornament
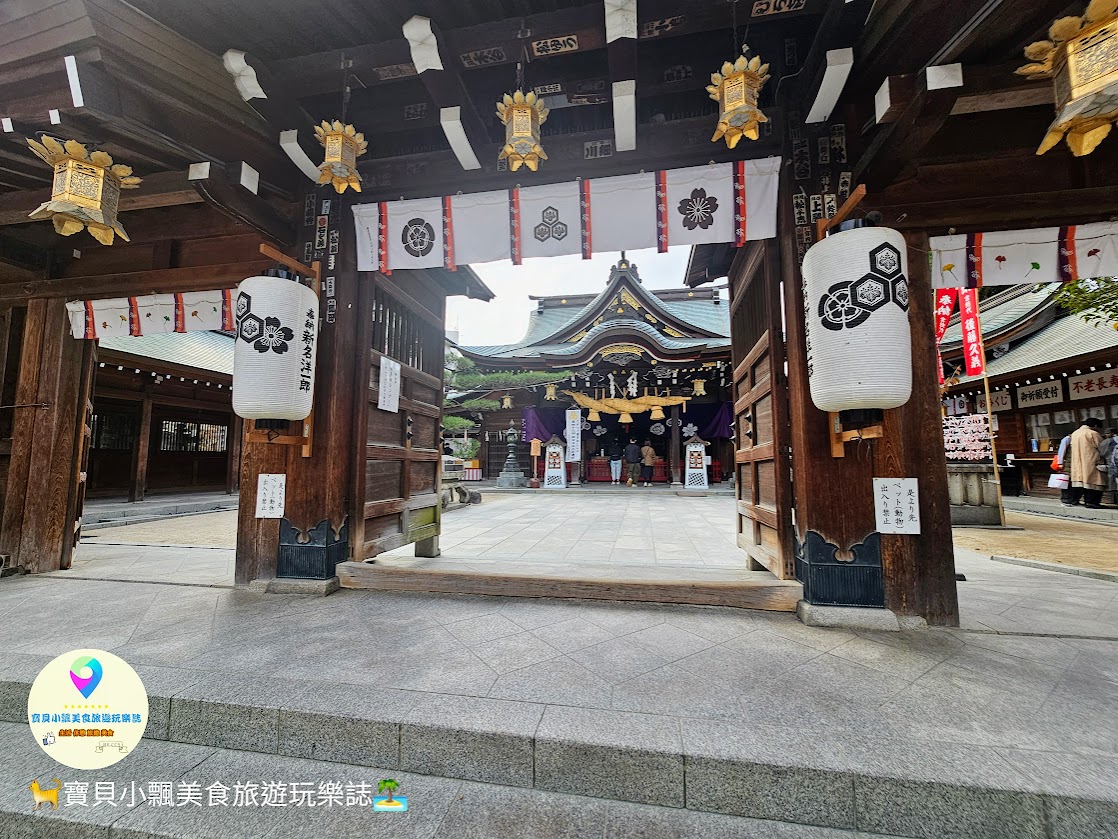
x: 1081, y: 58
x: 735, y: 90
x: 343, y: 144
x: 522, y: 114
x: 86, y: 190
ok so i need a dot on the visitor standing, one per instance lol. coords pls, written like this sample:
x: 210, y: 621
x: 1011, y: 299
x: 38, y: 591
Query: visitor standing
x: 1109, y: 452
x: 615, y: 452
x: 633, y: 460
x: 1087, y: 480
x: 648, y: 460
x: 1063, y: 464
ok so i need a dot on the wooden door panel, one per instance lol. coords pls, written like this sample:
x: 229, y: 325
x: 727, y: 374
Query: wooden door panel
x: 761, y: 412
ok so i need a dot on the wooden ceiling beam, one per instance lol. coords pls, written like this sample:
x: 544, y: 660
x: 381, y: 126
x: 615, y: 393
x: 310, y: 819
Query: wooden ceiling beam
x: 621, y: 38
x: 1034, y: 209
x: 164, y: 189
x: 233, y: 191
x: 160, y: 281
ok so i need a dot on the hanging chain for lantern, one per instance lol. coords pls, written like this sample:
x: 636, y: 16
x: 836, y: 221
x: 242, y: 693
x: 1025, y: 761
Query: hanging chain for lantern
x: 1081, y: 59
x: 86, y: 189
x: 522, y: 114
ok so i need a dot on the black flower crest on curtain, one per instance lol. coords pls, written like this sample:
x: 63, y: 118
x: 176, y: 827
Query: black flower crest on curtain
x: 698, y: 210
x: 274, y: 337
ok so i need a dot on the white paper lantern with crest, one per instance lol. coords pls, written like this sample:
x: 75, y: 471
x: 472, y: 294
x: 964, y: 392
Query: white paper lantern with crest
x: 274, y: 356
x: 859, y: 349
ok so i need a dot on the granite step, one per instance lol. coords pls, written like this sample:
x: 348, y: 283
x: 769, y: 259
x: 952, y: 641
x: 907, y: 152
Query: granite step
x: 438, y: 807
x: 825, y: 777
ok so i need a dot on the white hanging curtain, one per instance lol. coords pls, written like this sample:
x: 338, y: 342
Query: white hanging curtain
x: 190, y: 311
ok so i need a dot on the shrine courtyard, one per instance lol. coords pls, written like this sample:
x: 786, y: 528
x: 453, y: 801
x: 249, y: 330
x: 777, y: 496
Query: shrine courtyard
x: 517, y: 717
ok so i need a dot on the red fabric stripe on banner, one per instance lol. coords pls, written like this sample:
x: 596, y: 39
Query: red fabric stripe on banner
x: 180, y: 314
x: 939, y: 365
x: 448, y: 236
x: 662, y: 211
x: 382, y: 238
x: 972, y: 332
x: 740, y: 216
x: 584, y: 215
x: 974, y: 260
x: 1069, y: 269
x: 134, y: 317
x: 227, y: 309
x: 90, y: 321
x: 514, y: 226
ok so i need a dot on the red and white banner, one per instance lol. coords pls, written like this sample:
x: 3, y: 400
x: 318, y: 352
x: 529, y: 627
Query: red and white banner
x: 972, y: 332
x: 191, y: 311
x: 945, y: 306
x: 1038, y: 255
x: 722, y: 202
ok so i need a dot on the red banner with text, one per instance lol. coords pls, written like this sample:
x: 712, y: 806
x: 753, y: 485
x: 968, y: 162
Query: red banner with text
x: 972, y: 332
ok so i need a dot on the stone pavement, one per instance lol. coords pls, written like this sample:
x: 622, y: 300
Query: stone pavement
x: 108, y: 512
x: 1007, y: 729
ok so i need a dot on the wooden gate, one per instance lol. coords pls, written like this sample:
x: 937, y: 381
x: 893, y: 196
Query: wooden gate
x: 762, y: 459
x: 399, y: 484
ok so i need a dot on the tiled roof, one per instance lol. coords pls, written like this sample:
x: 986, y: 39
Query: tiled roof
x: 1003, y: 310
x: 1062, y: 339
x: 211, y: 351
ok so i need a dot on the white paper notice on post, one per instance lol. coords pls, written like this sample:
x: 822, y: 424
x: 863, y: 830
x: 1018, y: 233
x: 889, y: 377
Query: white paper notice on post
x: 574, y: 435
x: 897, y: 502
x: 388, y: 397
x: 270, y: 493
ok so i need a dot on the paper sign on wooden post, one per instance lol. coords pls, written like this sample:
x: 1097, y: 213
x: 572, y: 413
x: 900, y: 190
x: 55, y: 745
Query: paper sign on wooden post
x: 897, y: 503
x: 388, y: 395
x: 270, y: 493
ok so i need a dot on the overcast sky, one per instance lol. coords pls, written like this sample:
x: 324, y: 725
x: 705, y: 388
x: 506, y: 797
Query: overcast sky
x: 504, y: 319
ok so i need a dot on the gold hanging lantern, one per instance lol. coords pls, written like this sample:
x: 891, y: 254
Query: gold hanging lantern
x: 1081, y: 58
x: 657, y: 413
x: 522, y: 114
x: 735, y: 90
x: 343, y: 144
x: 86, y: 190
x: 506, y: 400
x: 699, y: 387
x: 550, y: 393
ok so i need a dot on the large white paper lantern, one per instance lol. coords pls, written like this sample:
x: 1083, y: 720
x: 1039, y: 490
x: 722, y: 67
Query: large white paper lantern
x: 273, y: 361
x: 859, y: 350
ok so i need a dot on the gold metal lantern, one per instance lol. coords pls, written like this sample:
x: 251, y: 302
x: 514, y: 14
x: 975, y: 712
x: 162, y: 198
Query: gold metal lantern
x: 736, y: 90
x: 86, y: 190
x: 343, y: 144
x: 549, y: 393
x: 1081, y: 59
x: 699, y: 387
x: 522, y: 114
x: 506, y: 400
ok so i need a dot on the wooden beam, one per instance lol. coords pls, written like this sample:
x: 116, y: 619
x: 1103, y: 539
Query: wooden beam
x: 165, y: 281
x: 896, y: 146
x: 163, y: 189
x: 226, y: 190
x: 1034, y: 209
x: 140, y: 452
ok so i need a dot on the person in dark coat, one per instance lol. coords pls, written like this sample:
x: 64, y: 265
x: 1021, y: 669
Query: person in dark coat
x: 615, y: 452
x: 633, y: 461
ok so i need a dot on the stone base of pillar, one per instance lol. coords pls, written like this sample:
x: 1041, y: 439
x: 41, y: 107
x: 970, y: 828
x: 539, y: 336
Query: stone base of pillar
x: 853, y: 617
x: 511, y: 480
x: 290, y: 585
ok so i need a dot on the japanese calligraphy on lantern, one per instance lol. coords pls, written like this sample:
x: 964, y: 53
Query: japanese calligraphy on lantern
x: 1093, y: 385
x: 574, y: 436
x: 897, y: 503
x: 1045, y: 393
x: 967, y: 438
x: 270, y: 493
x: 388, y: 395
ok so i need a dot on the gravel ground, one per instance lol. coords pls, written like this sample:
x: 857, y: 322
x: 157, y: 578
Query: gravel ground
x: 1079, y: 543
x: 205, y: 530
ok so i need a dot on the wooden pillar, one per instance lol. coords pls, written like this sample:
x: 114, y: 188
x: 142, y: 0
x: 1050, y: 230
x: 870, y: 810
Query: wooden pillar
x: 140, y: 452
x: 674, y: 449
x: 42, y: 494
x: 919, y: 570
x: 233, y: 454
x: 319, y: 507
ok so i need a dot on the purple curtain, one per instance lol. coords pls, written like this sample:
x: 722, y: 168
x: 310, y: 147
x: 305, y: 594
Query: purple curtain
x: 721, y: 424
x: 541, y: 423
